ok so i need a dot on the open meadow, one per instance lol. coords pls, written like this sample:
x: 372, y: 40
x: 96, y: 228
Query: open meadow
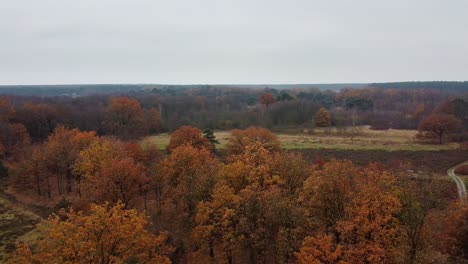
x: 348, y: 138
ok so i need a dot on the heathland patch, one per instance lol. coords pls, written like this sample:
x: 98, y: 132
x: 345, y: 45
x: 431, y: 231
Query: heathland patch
x: 345, y: 138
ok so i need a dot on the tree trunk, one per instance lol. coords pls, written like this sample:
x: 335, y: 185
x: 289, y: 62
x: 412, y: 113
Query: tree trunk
x: 252, y: 257
x: 48, y: 189
x: 211, y: 246
x: 59, y: 185
x: 38, y: 187
x: 79, y: 188
x: 229, y: 255
x: 69, y: 181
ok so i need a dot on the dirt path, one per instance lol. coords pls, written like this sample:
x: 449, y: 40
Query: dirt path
x: 460, y: 184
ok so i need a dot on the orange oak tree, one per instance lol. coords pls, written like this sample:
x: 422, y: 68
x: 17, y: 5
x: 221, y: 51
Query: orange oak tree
x: 216, y: 222
x: 439, y: 125
x: 240, y: 139
x: 125, y: 118
x: 353, y: 212
x: 187, y: 135
x: 117, y: 180
x: 321, y: 249
x: 189, y: 176
x: 61, y: 150
x: 105, y: 234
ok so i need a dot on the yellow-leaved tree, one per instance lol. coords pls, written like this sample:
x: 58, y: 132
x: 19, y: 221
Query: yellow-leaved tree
x: 322, y: 118
x: 106, y: 234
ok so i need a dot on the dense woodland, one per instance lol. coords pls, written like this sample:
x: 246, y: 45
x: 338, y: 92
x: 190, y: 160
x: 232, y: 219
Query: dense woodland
x: 119, y: 201
x: 228, y: 108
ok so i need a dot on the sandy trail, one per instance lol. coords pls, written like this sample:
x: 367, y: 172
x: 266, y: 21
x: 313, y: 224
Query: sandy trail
x: 460, y: 184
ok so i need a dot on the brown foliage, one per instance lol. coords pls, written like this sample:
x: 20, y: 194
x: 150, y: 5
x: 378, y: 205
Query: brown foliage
x: 7, y: 112
x: 125, y: 118
x: 39, y: 119
x: 103, y: 235
x: 62, y: 149
x: 154, y: 120
x: 189, y: 176
x: 94, y: 157
x: 117, y: 180
x: 322, y: 118
x: 31, y: 172
x: 216, y: 222
x: 357, y: 207
x: 267, y: 223
x: 267, y: 99
x: 187, y: 135
x: 49, y: 166
x: 439, y: 125
x: 13, y: 138
x: 455, y: 241
x: 320, y: 250
x: 371, y: 231
x: 240, y: 139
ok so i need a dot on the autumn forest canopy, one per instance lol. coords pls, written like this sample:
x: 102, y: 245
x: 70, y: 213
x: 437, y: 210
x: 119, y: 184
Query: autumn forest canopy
x: 101, y: 190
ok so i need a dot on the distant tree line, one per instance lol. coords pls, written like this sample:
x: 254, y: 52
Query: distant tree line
x: 134, y: 114
x: 447, y: 86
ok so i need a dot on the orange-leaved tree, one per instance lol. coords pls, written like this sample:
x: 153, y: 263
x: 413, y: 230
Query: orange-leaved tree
x: 105, y: 234
x: 327, y: 193
x: 268, y: 221
x: 254, y: 166
x: 322, y: 118
x: 371, y: 231
x: 125, y: 118
x: 439, y: 125
x: 31, y: 172
x: 61, y: 150
x: 353, y: 215
x: 240, y: 139
x: 92, y: 159
x: 187, y: 135
x: 267, y: 99
x: 216, y: 222
x: 109, y: 172
x: 118, y: 180
x: 189, y: 176
x: 321, y: 249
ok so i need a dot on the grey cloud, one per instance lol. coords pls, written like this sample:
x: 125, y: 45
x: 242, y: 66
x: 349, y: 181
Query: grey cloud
x: 232, y: 41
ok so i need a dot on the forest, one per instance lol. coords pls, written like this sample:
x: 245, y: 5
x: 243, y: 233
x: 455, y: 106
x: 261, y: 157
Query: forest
x: 88, y: 186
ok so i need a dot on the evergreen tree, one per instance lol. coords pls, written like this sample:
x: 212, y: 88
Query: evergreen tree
x: 209, y: 134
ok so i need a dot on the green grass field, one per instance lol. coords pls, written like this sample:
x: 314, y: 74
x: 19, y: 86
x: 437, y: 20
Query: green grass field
x: 361, y: 138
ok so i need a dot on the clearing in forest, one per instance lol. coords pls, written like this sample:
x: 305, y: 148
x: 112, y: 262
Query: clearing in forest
x: 346, y: 138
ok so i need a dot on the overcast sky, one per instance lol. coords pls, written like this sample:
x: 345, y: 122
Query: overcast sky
x: 238, y: 41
